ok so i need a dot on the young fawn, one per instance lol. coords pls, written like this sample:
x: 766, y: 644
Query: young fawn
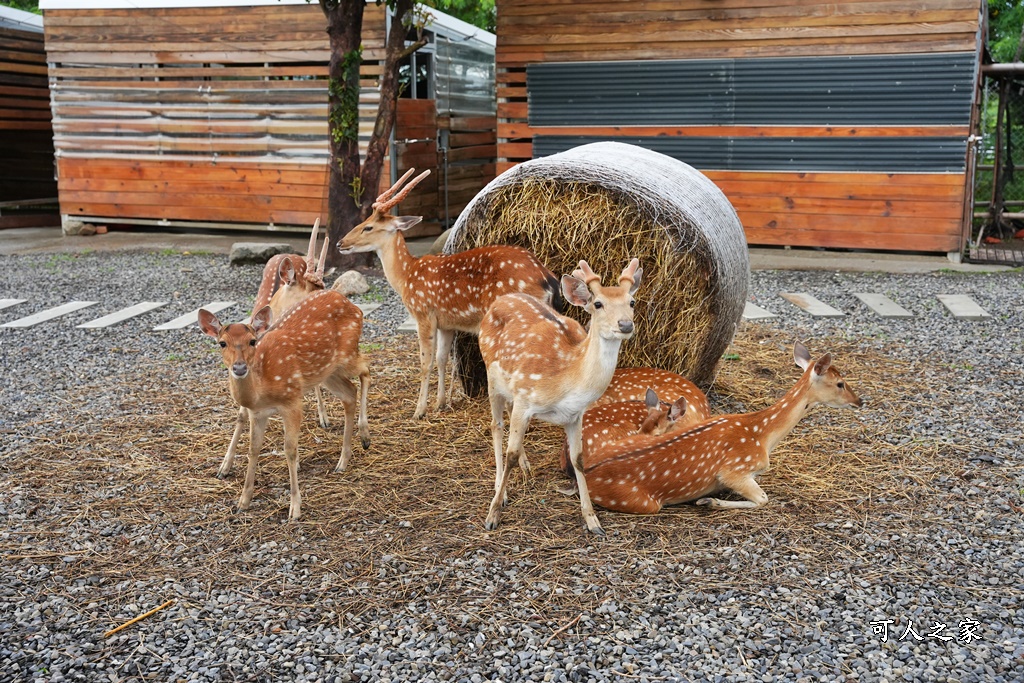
x: 272, y: 367
x: 544, y: 365
x: 444, y: 294
x: 642, y: 474
x: 607, y: 423
x: 631, y: 384
x: 287, y: 279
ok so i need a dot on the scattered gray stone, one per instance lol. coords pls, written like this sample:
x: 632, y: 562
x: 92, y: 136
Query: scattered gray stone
x: 243, y: 253
x: 351, y: 282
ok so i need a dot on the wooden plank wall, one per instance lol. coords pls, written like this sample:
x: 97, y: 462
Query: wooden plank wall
x: 887, y: 211
x: 210, y: 114
x: 26, y: 134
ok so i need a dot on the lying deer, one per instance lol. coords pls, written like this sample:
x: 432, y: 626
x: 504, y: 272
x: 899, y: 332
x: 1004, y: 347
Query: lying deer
x: 287, y: 279
x: 631, y: 384
x: 607, y: 423
x: 271, y: 368
x: 642, y: 474
x: 544, y: 365
x: 444, y: 294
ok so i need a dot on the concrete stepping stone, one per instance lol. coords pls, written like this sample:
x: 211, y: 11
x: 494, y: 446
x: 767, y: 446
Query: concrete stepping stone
x: 755, y: 312
x: 50, y: 314
x: 193, y: 317
x: 963, y: 307
x: 812, y: 305
x: 883, y: 305
x: 122, y: 315
x: 368, y: 308
x: 7, y: 303
x: 409, y: 326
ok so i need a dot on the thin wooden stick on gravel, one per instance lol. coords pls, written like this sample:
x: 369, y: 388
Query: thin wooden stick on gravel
x: 138, y: 618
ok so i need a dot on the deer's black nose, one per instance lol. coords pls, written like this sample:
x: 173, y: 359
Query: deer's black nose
x: 625, y: 326
x: 239, y: 369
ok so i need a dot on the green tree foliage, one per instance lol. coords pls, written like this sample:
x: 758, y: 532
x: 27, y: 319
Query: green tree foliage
x: 23, y: 5
x: 1005, y: 18
x: 477, y: 12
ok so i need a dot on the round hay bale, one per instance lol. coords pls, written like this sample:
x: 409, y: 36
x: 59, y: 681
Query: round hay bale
x: 608, y: 202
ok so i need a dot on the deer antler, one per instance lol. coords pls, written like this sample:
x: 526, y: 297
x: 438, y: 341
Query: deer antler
x: 388, y: 198
x: 629, y: 272
x: 314, y: 268
x: 585, y: 273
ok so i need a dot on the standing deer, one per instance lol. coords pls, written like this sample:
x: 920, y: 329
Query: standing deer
x: 287, y: 279
x: 641, y: 474
x: 444, y: 293
x: 544, y: 365
x: 272, y: 367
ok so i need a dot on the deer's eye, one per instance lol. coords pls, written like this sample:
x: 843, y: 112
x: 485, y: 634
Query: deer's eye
x: 252, y: 342
x: 631, y: 302
x: 841, y: 385
x: 598, y: 304
x: 223, y: 345
x: 368, y: 228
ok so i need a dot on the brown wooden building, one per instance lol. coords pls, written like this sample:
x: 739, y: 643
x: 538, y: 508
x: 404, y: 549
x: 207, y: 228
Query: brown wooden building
x: 827, y: 124
x: 26, y: 135
x: 213, y: 113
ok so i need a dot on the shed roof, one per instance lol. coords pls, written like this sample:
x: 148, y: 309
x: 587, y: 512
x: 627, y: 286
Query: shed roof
x: 17, y: 19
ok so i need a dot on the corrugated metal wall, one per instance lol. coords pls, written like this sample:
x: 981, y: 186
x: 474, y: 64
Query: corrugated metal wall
x: 931, y: 89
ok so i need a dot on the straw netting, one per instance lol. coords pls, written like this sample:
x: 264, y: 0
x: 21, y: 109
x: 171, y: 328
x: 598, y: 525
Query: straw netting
x: 608, y: 202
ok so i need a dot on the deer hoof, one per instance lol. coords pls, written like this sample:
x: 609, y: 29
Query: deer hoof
x: 597, y: 530
x: 366, y: 442
x: 706, y: 501
x: 324, y: 423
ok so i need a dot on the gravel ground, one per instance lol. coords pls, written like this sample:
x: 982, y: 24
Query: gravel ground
x: 664, y: 608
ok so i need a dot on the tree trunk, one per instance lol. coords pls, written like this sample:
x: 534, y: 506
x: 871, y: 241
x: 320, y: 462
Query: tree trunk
x: 345, y: 188
x: 352, y: 189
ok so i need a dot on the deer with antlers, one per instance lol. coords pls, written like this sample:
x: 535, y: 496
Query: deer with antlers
x: 641, y: 474
x: 545, y: 365
x: 271, y: 368
x: 444, y: 293
x: 287, y: 279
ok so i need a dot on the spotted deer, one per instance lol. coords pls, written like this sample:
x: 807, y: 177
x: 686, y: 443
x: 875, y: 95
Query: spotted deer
x: 544, y: 365
x: 631, y: 384
x: 287, y: 279
x: 642, y: 474
x: 606, y: 423
x: 270, y: 368
x: 445, y: 294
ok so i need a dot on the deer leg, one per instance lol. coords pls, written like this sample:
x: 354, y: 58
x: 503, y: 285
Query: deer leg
x: 321, y: 408
x: 497, y: 436
x: 516, y: 430
x: 342, y: 387
x: 426, y: 330
x: 444, y: 349
x: 574, y: 434
x: 229, y: 458
x: 292, y: 425
x: 257, y: 430
x: 743, y: 485
x: 364, y: 392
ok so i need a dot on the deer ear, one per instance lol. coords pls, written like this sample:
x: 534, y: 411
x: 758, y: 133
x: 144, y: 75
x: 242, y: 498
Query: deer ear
x: 286, y: 271
x: 637, y: 276
x: 801, y: 356
x: 208, y: 323
x: 677, y: 409
x: 651, y: 399
x: 262, y: 319
x: 405, y: 222
x: 575, y: 291
x: 823, y: 364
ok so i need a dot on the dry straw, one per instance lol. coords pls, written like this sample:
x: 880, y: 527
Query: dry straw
x: 606, y: 203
